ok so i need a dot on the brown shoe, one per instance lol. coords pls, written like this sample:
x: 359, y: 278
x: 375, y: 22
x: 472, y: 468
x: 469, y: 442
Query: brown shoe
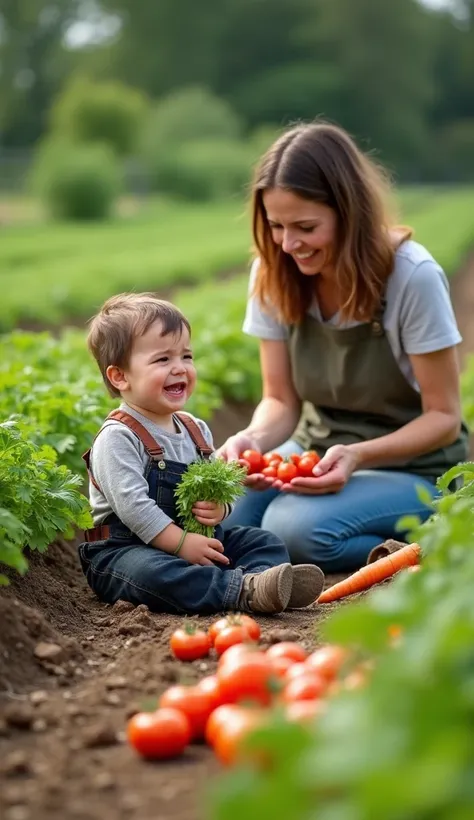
x: 267, y: 591
x: 308, y: 583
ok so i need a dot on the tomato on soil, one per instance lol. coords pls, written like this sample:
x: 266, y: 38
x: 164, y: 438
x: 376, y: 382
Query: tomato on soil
x: 193, y: 702
x: 304, y: 711
x: 296, y: 669
x: 229, y: 637
x: 189, y: 643
x: 288, y: 649
x: 229, y: 730
x: 233, y: 653
x: 282, y: 665
x: 237, y: 619
x: 287, y: 471
x: 305, y: 687
x: 159, y: 735
x: 210, y: 685
x: 327, y: 661
x: 248, y: 677
x: 255, y: 460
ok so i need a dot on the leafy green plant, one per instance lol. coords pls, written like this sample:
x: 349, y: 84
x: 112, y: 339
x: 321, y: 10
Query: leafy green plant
x: 78, y: 182
x: 38, y: 498
x: 400, y: 747
x: 214, y: 480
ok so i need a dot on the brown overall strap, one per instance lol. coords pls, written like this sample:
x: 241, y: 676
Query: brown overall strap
x: 154, y: 450
x: 152, y: 447
x: 201, y: 444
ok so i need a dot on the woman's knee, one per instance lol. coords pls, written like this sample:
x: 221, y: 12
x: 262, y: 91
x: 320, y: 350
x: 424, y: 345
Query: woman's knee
x: 308, y: 537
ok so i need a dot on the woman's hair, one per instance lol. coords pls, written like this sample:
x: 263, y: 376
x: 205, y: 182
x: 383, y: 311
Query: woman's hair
x: 321, y: 163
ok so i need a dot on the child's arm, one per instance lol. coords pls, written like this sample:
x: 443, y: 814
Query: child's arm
x: 118, y: 463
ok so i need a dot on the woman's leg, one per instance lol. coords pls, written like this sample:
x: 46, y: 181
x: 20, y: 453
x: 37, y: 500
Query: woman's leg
x: 337, y: 531
x: 250, y: 509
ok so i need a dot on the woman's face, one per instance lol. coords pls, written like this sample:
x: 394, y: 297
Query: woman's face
x: 305, y: 230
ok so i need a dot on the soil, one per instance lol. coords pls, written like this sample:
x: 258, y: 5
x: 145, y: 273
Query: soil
x: 72, y: 670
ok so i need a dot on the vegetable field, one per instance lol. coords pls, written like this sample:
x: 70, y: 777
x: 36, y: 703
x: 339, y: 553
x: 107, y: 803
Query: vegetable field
x: 391, y: 734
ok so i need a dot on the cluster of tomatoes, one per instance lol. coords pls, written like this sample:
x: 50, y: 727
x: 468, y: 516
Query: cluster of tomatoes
x: 273, y: 465
x: 242, y: 695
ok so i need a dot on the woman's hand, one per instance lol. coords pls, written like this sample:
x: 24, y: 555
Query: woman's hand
x: 231, y: 451
x: 208, y: 513
x: 331, y: 474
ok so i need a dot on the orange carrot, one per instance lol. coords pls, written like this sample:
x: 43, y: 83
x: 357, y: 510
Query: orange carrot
x: 373, y: 573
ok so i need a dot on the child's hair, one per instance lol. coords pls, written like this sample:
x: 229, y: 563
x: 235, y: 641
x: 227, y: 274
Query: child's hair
x: 124, y: 318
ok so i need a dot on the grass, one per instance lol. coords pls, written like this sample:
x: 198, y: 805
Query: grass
x: 52, y: 273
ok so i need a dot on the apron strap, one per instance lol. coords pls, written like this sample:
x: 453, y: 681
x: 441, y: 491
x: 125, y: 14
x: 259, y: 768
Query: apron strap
x: 204, y: 449
x: 376, y: 324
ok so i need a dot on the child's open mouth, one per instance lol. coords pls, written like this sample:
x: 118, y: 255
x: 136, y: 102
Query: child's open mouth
x: 176, y: 390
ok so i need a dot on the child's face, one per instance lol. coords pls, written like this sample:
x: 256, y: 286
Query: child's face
x: 160, y: 376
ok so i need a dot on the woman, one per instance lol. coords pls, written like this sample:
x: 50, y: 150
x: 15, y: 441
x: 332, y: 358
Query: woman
x: 358, y: 354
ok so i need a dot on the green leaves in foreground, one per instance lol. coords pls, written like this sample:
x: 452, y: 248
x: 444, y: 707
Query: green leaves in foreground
x: 216, y: 480
x: 38, y: 498
x: 400, y: 748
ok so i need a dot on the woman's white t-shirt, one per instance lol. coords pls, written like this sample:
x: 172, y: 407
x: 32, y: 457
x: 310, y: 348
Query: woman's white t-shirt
x: 419, y: 316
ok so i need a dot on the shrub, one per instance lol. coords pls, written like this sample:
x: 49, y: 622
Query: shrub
x: 78, y: 182
x: 203, y: 170
x: 112, y: 113
x: 188, y: 115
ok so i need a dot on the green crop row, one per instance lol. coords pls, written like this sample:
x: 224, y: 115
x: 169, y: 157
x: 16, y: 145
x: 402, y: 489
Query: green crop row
x: 54, y: 273
x: 399, y: 747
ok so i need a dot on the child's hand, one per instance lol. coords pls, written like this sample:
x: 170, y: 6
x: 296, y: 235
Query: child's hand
x: 199, y: 549
x: 208, y: 513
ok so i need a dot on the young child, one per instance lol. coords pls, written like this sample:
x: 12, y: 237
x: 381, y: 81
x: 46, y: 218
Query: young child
x: 137, y: 550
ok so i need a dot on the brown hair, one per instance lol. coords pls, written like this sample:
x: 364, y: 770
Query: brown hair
x: 122, y: 319
x: 320, y: 162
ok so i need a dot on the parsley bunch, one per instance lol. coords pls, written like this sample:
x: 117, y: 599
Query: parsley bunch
x: 218, y: 481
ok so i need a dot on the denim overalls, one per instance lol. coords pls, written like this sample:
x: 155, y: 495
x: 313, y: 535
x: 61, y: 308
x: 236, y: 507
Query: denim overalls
x: 119, y: 566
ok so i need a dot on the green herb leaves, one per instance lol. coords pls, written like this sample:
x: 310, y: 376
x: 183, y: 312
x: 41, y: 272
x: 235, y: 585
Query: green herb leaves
x: 215, y: 480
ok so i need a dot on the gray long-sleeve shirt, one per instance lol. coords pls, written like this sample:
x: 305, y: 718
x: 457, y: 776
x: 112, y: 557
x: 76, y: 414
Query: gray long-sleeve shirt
x: 118, y: 463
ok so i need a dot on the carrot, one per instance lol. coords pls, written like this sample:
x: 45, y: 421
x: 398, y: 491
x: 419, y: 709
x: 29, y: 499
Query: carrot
x: 373, y: 573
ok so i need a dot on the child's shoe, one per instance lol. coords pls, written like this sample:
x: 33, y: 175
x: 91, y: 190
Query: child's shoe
x: 308, y: 583
x: 268, y: 591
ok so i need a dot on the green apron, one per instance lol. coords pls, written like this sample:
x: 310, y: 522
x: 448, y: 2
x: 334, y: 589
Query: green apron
x: 353, y: 390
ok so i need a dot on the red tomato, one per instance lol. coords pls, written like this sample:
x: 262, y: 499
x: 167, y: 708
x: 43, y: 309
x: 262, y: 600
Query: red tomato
x: 295, y: 458
x: 311, y: 454
x: 247, y: 677
x: 229, y: 745
x: 229, y: 637
x: 234, y: 652
x: 217, y: 718
x: 288, y: 649
x: 306, y: 466
x: 255, y: 459
x: 270, y: 472
x: 193, y: 702
x: 327, y: 661
x: 245, y: 465
x: 189, y: 643
x: 286, y: 472
x: 237, y: 619
x: 304, y: 711
x: 159, y: 735
x: 295, y: 670
x: 282, y: 665
x: 270, y: 458
x: 210, y: 685
x: 305, y: 687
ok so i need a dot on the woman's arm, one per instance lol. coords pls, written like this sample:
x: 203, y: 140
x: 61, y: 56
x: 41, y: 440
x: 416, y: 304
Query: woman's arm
x: 439, y: 424
x: 278, y: 413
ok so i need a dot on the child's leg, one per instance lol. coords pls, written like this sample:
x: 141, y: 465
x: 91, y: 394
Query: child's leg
x: 164, y: 583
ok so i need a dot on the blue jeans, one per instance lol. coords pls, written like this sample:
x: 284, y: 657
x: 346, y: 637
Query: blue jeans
x: 128, y: 570
x: 336, y: 531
